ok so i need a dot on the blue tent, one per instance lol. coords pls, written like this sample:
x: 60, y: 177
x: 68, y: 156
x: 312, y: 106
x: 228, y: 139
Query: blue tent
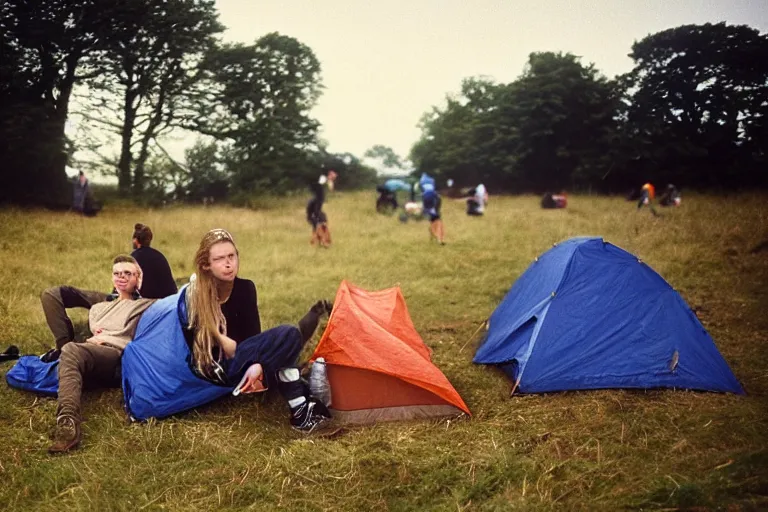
x: 589, y: 315
x: 157, y: 380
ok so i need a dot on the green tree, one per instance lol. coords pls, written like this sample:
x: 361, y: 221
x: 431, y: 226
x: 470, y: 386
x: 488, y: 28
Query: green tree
x: 551, y: 128
x: 256, y: 100
x: 466, y: 140
x: 387, y: 155
x: 698, y: 103
x: 564, y: 114
x: 206, y: 177
x: 152, y: 63
x: 46, y: 48
x: 352, y: 173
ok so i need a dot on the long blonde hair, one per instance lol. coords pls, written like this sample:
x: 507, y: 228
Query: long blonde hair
x: 204, y: 311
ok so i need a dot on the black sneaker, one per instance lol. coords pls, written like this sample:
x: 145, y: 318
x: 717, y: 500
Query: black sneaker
x: 10, y: 354
x: 309, y: 416
x: 51, y: 356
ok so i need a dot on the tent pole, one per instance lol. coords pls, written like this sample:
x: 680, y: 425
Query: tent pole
x: 514, y: 388
x: 473, y: 335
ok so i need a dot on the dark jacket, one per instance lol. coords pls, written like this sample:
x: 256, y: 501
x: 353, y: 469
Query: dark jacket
x: 158, y: 280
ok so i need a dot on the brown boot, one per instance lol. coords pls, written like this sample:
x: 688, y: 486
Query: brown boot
x: 67, y: 435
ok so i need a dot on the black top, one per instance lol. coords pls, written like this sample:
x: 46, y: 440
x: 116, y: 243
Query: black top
x: 242, y: 311
x: 158, y: 281
x: 318, y: 193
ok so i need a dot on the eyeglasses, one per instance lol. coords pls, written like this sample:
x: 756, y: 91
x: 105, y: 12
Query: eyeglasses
x: 124, y: 273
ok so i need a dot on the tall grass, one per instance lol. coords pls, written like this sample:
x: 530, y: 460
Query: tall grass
x: 579, y: 450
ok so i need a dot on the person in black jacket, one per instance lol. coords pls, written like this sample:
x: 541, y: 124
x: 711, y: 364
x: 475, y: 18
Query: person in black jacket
x: 316, y: 217
x: 227, y: 345
x: 158, y: 280
x: 157, y: 283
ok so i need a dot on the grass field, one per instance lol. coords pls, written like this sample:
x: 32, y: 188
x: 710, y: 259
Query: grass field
x: 607, y: 450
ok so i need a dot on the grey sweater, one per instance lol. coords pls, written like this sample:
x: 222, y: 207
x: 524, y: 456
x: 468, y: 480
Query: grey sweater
x: 117, y: 320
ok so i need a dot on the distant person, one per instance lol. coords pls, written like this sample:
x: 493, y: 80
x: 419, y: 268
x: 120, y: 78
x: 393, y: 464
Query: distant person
x: 386, y: 201
x: 316, y: 217
x: 96, y: 362
x: 431, y: 202
x: 476, y: 203
x: 157, y: 282
x: 647, y: 195
x: 82, y: 197
x: 671, y: 196
x: 388, y: 193
x: 552, y: 201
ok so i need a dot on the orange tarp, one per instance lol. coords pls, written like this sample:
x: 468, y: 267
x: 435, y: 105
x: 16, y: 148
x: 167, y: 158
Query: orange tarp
x: 373, y: 331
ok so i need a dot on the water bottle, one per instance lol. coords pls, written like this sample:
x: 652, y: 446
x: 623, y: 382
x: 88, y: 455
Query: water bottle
x: 318, y: 382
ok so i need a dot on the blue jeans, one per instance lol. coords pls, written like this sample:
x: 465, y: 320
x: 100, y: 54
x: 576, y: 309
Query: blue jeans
x: 275, y: 349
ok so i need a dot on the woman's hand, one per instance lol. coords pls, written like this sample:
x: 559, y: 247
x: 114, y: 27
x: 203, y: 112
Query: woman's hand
x: 253, y: 380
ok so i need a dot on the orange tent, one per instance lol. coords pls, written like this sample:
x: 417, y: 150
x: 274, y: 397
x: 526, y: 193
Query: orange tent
x: 379, y: 369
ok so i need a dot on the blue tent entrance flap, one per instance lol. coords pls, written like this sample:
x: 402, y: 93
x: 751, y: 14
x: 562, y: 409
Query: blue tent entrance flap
x: 157, y: 380
x: 589, y: 315
x: 31, y: 374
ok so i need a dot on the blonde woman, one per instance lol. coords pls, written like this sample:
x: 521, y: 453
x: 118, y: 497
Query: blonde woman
x: 96, y: 362
x: 225, y: 338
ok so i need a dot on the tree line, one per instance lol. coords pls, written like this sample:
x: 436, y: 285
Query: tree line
x: 131, y: 72
x: 693, y: 111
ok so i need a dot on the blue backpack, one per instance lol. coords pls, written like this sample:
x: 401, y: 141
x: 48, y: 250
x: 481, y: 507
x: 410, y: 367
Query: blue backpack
x: 157, y: 378
x: 31, y: 374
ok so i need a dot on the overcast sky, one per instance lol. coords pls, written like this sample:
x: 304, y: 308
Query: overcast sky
x: 385, y: 63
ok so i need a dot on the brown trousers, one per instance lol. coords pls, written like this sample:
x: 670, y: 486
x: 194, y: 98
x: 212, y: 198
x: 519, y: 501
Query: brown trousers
x: 85, y: 365
x: 55, y: 302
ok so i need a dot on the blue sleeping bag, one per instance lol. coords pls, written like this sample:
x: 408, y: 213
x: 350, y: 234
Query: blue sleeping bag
x: 31, y: 374
x: 157, y: 379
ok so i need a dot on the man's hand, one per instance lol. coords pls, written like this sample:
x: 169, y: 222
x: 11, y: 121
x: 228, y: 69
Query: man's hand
x: 253, y: 380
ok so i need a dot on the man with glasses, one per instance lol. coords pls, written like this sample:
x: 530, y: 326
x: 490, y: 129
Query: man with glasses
x: 157, y: 283
x: 96, y: 362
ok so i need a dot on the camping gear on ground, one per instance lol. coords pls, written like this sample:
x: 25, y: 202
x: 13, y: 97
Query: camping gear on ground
x: 671, y: 196
x: 378, y: 367
x: 318, y: 382
x: 10, y: 354
x: 476, y: 203
x: 31, y: 374
x: 412, y: 210
x: 552, y: 201
x: 157, y: 379
x: 588, y: 315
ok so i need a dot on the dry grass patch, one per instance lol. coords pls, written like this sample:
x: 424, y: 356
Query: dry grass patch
x: 579, y: 450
